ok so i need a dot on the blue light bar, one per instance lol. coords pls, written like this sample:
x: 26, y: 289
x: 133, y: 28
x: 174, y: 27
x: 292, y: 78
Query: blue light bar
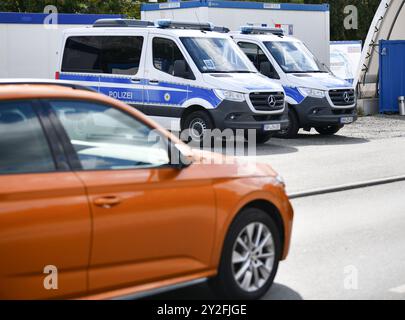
x: 221, y: 29
x: 261, y: 30
x: 167, y: 23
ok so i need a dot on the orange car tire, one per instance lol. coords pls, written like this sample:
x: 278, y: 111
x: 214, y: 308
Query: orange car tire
x: 225, y: 284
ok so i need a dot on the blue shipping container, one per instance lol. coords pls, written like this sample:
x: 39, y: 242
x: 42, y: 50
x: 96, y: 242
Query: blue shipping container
x: 392, y: 74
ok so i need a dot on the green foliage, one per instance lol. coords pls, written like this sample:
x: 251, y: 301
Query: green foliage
x: 129, y: 7
x: 366, y: 10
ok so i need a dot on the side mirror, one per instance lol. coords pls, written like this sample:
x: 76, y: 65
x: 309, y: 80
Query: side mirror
x: 267, y: 69
x: 182, y: 156
x: 181, y: 70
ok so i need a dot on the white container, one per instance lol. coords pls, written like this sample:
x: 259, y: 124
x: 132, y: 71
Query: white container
x: 309, y: 23
x: 29, y: 47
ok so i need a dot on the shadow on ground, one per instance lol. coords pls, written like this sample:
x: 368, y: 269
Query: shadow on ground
x: 281, y: 292
x: 203, y: 292
x: 308, y: 139
x: 286, y: 146
x: 198, y: 292
x: 283, y: 146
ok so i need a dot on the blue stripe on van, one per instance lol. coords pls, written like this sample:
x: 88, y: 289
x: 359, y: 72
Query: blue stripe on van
x: 106, y: 86
x: 205, y: 94
x: 132, y: 96
x: 294, y: 94
x: 83, y: 77
x: 169, y: 94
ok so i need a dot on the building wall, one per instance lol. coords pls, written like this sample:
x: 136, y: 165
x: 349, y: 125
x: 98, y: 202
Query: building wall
x: 195, y: 14
x: 29, y: 51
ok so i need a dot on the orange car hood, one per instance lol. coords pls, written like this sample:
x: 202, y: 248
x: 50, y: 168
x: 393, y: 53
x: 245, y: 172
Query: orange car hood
x: 215, y: 165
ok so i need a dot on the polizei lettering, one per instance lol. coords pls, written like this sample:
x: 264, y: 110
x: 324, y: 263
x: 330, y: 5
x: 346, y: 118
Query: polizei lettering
x: 121, y: 95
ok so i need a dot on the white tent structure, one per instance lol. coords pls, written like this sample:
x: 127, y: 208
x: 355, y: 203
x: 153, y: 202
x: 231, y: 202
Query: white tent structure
x: 388, y: 24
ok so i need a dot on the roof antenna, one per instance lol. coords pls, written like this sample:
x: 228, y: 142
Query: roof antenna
x: 198, y: 20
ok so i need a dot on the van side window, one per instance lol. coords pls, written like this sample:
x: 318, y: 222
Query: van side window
x: 23, y: 145
x: 122, y: 55
x: 165, y: 53
x: 259, y: 59
x: 103, y: 54
x: 82, y: 54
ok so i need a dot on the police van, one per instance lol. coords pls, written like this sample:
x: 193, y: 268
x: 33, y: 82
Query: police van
x: 184, y: 75
x: 315, y: 97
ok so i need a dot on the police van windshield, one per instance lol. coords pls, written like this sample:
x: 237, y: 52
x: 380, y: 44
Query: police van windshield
x: 294, y: 57
x: 217, y: 55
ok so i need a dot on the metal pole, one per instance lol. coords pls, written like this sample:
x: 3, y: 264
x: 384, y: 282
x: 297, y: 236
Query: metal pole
x: 401, y: 105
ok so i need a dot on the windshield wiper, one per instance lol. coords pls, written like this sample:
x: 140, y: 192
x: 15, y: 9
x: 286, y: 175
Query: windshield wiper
x: 246, y: 71
x: 234, y: 71
x: 319, y: 71
x: 313, y: 71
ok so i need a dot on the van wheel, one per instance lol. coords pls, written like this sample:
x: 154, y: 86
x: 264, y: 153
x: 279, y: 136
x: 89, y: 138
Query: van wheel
x: 197, y: 123
x: 293, y: 127
x: 329, y: 130
x: 250, y: 257
x: 261, y: 137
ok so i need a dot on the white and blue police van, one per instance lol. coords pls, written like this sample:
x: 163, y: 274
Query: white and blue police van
x: 315, y: 97
x: 184, y: 75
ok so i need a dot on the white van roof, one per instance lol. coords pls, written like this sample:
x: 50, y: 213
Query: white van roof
x: 163, y: 27
x: 155, y: 30
x: 264, y: 37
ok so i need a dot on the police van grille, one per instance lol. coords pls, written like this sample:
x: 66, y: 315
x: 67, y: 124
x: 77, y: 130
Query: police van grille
x: 262, y: 101
x: 339, y: 97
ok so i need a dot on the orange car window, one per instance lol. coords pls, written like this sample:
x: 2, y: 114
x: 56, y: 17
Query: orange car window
x: 105, y: 138
x: 23, y: 145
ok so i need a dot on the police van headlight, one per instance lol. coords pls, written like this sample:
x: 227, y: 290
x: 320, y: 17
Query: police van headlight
x: 230, y: 95
x: 313, y: 93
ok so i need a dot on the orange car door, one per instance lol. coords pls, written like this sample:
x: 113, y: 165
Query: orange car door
x: 151, y: 220
x: 44, y: 212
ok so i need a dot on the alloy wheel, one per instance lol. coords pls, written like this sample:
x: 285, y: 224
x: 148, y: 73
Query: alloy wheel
x: 253, y: 257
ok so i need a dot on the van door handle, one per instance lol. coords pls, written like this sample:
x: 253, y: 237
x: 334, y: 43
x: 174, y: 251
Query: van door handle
x: 107, y: 202
x: 135, y: 80
x: 153, y: 81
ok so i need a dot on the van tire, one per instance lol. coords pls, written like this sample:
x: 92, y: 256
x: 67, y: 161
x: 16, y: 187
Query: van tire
x: 225, y: 284
x: 197, y: 120
x: 263, y: 137
x: 293, y: 127
x: 329, y: 130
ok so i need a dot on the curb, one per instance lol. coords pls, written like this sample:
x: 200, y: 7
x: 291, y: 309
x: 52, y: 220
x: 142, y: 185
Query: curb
x: 346, y: 187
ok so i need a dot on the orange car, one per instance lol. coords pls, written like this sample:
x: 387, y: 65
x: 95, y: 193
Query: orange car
x: 92, y: 207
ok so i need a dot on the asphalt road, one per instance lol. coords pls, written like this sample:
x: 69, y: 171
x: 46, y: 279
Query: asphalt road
x: 347, y: 245
x: 315, y: 162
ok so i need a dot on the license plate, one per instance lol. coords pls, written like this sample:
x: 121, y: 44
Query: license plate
x: 272, y: 127
x: 346, y: 120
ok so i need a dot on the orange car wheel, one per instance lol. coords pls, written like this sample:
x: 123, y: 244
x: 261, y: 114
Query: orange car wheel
x: 250, y: 257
